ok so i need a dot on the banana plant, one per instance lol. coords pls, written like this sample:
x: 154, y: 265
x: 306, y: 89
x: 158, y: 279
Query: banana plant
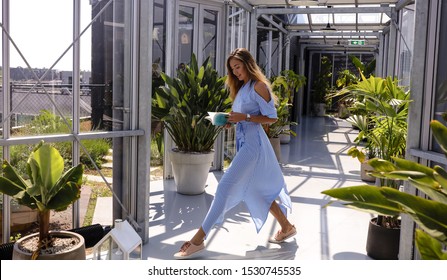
x: 429, y: 212
x: 48, y: 187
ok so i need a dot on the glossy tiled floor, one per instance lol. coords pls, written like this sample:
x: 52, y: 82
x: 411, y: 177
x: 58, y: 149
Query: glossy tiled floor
x: 313, y: 161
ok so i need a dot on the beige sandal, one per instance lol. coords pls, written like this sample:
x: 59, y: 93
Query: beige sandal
x: 280, y: 237
x: 188, y: 250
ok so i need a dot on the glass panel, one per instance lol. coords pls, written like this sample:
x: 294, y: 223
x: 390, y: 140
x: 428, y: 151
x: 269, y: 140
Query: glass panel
x: 321, y: 18
x: 97, y: 205
x: 107, y: 43
x: 185, y: 34
x: 369, y: 18
x: 43, y: 45
x: 158, y: 65
x: 345, y: 18
x: 1, y: 89
x: 159, y: 36
x: 406, y: 46
x: 441, y: 76
x: 274, y: 71
x: 237, y: 31
x: 210, y: 18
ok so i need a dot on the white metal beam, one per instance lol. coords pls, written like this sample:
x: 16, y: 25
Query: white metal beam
x: 288, y: 11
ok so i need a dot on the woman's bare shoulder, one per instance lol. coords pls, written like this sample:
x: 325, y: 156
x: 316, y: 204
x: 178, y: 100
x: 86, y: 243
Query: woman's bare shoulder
x: 262, y: 89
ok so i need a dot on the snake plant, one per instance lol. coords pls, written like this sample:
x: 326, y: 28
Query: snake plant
x: 183, y: 104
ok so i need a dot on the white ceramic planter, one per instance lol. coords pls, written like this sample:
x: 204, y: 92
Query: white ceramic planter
x: 191, y: 171
x: 320, y: 109
x: 285, y: 138
x: 364, y: 169
x: 276, y: 144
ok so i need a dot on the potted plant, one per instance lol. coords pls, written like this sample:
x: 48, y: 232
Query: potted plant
x: 47, y: 188
x: 367, y: 150
x: 182, y: 104
x: 322, y: 87
x: 429, y: 212
x: 279, y: 127
x: 284, y: 87
x: 385, y: 104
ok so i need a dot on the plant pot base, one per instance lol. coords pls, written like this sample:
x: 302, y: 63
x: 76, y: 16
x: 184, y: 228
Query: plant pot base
x: 191, y: 171
x: 77, y: 252
x: 382, y: 243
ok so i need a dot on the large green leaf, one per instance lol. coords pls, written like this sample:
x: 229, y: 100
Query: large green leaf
x: 66, y: 195
x: 429, y: 247
x: 430, y: 215
x: 182, y: 104
x: 365, y: 198
x: 10, y: 174
x: 440, y: 133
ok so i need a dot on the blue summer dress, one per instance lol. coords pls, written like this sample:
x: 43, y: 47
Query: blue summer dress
x: 254, y: 176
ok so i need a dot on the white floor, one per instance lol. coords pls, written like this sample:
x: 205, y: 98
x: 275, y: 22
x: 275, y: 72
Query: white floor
x: 313, y: 161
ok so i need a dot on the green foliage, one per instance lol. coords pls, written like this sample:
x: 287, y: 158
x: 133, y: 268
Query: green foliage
x: 321, y: 85
x: 97, y: 148
x: 48, y: 187
x: 182, y: 104
x: 364, y: 69
x: 346, y: 78
x: 428, y: 213
x: 284, y: 87
x: 383, y: 119
x: 48, y: 123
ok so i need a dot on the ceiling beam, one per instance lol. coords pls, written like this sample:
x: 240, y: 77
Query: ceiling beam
x: 243, y: 4
x: 338, y: 34
x: 288, y: 11
x: 403, y: 3
x: 272, y: 22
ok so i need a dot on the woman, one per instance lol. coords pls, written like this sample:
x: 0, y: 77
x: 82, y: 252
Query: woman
x: 254, y: 175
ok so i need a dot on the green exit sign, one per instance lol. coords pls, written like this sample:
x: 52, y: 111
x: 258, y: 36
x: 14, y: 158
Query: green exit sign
x: 357, y: 42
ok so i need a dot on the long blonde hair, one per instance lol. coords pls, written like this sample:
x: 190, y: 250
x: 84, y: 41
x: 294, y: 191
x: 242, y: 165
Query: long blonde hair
x: 254, y: 72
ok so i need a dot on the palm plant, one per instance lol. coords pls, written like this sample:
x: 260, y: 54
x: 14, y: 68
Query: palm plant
x: 48, y: 187
x: 427, y: 212
x: 183, y: 102
x: 384, y: 123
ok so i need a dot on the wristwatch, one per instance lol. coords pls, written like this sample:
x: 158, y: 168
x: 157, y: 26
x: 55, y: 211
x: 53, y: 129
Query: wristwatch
x: 248, y: 118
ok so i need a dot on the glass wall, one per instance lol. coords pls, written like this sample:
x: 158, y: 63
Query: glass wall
x: 69, y: 83
x: 440, y: 107
x: 406, y: 40
x: 238, y: 23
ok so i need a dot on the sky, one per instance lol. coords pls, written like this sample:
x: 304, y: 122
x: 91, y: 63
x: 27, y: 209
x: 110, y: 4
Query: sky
x: 43, y: 31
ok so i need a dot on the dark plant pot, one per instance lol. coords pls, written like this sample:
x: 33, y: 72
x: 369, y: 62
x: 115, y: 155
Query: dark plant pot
x: 77, y: 252
x: 382, y: 243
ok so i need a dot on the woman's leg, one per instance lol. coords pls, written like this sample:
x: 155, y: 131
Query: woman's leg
x: 276, y: 211
x: 198, y: 238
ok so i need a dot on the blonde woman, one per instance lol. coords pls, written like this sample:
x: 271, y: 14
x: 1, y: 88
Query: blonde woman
x: 254, y: 176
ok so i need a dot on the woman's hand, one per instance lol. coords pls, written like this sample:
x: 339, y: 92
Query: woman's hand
x: 235, y: 117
